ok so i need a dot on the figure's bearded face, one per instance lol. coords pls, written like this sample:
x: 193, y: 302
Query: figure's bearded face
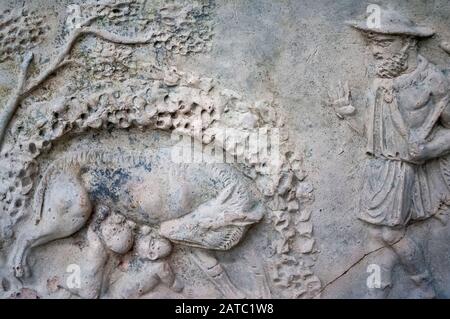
x: 390, y: 53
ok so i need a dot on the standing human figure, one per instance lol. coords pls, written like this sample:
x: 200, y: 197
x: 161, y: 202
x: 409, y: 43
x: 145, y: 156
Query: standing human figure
x: 407, y: 121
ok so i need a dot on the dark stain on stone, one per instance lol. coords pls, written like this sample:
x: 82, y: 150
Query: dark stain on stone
x: 108, y: 183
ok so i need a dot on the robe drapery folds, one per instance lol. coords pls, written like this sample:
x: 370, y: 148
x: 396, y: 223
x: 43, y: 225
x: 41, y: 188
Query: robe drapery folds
x: 403, y: 111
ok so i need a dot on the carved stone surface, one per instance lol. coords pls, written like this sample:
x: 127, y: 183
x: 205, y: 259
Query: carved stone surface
x: 190, y: 149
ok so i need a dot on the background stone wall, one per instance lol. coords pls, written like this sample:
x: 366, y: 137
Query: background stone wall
x: 293, y: 51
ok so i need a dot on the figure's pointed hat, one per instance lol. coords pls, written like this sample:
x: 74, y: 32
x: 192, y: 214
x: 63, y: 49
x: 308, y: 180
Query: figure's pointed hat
x: 390, y: 22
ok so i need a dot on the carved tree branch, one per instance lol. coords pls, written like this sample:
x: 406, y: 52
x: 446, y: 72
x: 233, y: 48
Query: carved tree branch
x: 14, y: 99
x: 108, y: 36
x: 59, y: 60
x: 54, y: 66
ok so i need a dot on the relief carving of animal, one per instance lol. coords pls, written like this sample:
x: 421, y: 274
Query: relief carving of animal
x: 206, y: 206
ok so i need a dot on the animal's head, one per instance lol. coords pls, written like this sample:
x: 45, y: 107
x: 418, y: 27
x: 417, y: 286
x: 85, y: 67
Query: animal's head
x: 218, y: 224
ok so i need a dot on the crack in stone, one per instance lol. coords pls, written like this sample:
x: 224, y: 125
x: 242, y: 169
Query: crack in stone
x: 349, y: 268
x: 438, y: 211
x: 357, y: 262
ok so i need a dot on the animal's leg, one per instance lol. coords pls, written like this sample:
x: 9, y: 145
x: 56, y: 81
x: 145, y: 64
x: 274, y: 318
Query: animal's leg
x: 20, y: 262
x: 65, y: 212
x: 215, y: 272
x: 19, y: 253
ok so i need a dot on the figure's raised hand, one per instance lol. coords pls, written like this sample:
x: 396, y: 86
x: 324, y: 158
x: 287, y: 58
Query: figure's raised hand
x: 340, y: 99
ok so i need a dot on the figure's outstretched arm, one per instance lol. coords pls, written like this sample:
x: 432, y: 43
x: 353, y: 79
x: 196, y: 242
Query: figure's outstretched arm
x: 340, y: 100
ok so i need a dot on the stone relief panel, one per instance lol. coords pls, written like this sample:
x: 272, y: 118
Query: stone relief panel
x: 126, y: 219
x: 199, y: 149
x: 404, y: 179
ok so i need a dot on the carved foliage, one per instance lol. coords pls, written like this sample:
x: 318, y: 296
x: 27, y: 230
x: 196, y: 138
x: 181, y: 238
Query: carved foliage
x: 180, y: 102
x: 20, y: 31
